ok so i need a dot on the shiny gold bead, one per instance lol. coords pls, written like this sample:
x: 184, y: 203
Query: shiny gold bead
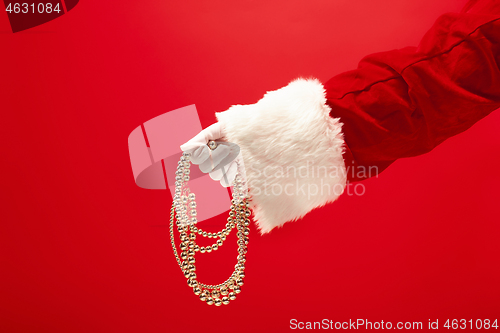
x: 192, y: 276
x: 215, y: 247
x: 196, y: 290
x: 239, y: 282
x: 237, y: 290
x: 215, y: 293
x: 232, y: 296
x: 183, y: 247
x: 205, y: 234
x: 184, y: 255
x: 192, y: 283
x: 242, y: 274
x: 192, y: 267
x: 191, y: 260
x: 219, y: 242
x: 231, y: 284
x: 210, y: 300
x: 203, y: 296
x: 192, y: 236
x: 217, y: 302
x: 190, y: 252
x: 209, y: 249
x: 209, y: 235
x: 197, y: 248
x: 225, y: 300
x: 223, y: 291
x: 223, y: 237
x: 187, y: 274
x: 202, y: 249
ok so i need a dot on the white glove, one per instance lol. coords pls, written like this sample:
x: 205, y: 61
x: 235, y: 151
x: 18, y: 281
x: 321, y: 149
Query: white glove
x: 220, y: 163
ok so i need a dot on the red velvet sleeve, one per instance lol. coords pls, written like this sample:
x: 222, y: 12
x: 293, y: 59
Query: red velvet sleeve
x: 405, y: 102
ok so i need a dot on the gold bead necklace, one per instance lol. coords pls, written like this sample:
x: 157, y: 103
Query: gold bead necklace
x: 185, y: 221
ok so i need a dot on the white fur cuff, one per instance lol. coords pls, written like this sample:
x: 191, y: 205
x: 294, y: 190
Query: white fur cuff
x: 292, y: 151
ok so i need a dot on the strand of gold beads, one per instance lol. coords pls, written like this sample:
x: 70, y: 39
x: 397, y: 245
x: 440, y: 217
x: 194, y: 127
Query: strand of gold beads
x: 185, y: 221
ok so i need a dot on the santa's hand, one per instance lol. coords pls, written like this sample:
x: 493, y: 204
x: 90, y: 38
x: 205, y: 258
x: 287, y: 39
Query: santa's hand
x: 214, y: 156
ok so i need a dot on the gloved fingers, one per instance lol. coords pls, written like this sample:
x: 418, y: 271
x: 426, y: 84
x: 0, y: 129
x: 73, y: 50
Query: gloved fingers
x: 225, y: 174
x: 220, y: 163
x: 233, y: 153
x: 212, y: 132
x: 200, y: 154
x: 217, y: 155
x: 217, y: 174
x: 228, y: 177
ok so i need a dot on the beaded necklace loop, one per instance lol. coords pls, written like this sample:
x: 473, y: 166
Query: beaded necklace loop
x: 183, y: 213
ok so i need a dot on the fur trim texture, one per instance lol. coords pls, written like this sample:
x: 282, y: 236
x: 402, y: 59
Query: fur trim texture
x: 292, y: 151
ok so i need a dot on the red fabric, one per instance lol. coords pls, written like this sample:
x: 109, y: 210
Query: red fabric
x: 405, y: 102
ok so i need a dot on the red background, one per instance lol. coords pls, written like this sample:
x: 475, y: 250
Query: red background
x: 83, y: 249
